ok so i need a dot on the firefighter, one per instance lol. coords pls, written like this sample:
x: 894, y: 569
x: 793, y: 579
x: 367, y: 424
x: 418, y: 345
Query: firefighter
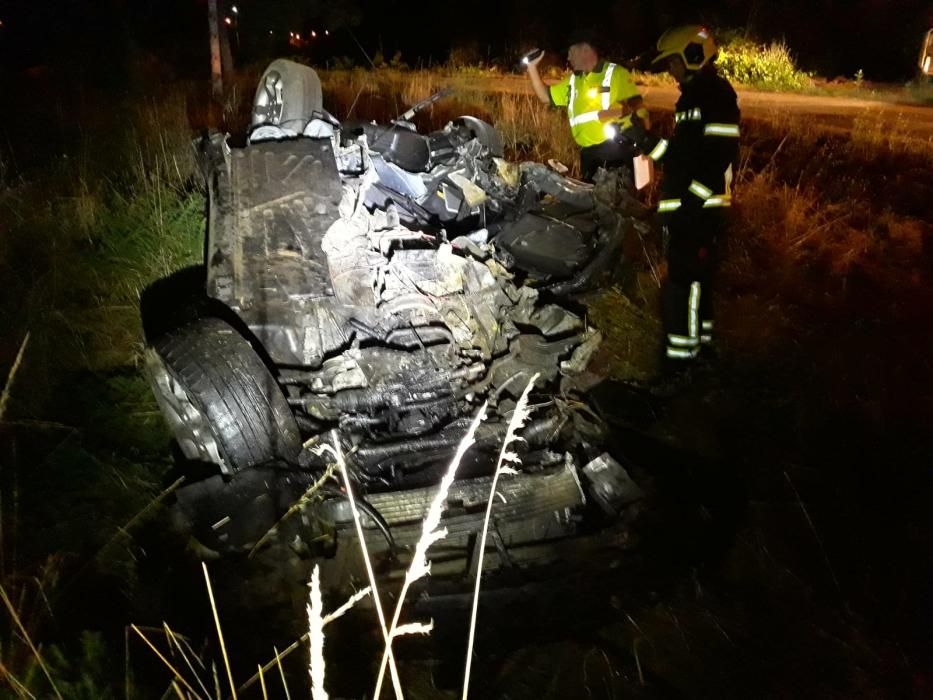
x: 698, y: 163
x: 600, y: 98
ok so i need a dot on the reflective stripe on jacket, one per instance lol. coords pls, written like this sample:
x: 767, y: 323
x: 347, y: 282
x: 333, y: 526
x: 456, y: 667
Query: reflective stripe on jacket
x: 699, y: 157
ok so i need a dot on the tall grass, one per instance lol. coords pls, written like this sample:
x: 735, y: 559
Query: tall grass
x: 431, y: 532
x: 506, y: 457
x: 83, y: 232
x: 530, y: 130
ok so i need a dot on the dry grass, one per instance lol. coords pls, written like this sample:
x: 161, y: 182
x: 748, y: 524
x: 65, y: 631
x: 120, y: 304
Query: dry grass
x: 818, y: 200
x: 530, y: 130
x: 432, y: 532
x: 520, y: 414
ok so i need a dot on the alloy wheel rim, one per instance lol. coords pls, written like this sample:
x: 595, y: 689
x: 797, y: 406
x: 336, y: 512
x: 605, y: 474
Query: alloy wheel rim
x: 189, y: 424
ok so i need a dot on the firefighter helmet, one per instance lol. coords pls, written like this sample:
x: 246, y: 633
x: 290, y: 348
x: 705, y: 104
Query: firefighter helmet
x: 693, y: 43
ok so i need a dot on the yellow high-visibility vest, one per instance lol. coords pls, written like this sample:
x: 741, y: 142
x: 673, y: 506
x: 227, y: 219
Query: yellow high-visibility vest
x: 586, y: 95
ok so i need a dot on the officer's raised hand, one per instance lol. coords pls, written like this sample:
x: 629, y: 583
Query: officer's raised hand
x: 531, y: 60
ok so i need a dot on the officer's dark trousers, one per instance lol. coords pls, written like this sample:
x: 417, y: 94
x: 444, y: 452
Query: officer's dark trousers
x: 608, y: 154
x: 687, y: 304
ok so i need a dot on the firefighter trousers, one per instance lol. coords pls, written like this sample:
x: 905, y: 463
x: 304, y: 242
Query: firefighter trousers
x: 692, y: 238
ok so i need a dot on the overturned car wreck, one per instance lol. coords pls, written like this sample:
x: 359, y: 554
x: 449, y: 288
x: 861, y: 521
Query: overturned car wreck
x: 372, y: 285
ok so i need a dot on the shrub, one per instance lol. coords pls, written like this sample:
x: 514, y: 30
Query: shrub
x: 770, y: 67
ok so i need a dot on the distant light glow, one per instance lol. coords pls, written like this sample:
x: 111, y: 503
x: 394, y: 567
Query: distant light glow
x: 313, y: 34
x: 228, y: 21
x: 234, y: 9
x: 326, y: 33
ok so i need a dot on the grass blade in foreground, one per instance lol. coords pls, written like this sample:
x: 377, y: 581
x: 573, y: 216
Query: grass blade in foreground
x: 330, y: 617
x: 431, y: 532
x: 220, y: 634
x: 519, y: 415
x: 341, y: 462
x: 316, y: 636
x: 8, y: 387
x: 26, y: 637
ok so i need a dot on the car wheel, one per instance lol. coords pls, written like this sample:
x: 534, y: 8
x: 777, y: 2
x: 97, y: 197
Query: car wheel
x: 221, y: 402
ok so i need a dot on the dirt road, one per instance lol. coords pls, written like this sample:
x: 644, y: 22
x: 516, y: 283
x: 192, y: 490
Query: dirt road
x: 911, y: 121
x: 835, y: 112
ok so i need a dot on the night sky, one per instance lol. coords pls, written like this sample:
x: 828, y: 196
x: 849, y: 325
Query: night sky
x: 100, y: 37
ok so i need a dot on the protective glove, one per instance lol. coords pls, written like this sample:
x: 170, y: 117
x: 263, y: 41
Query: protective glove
x: 640, y: 135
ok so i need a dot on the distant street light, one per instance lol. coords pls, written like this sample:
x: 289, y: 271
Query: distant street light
x: 234, y: 9
x: 234, y: 22
x: 313, y: 34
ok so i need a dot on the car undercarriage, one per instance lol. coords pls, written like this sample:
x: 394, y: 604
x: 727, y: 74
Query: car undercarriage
x: 369, y: 285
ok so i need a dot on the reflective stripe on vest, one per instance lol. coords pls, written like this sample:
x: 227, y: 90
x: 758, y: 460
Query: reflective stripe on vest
x: 607, y: 84
x: 605, y: 94
x: 584, y: 118
x: 573, y: 97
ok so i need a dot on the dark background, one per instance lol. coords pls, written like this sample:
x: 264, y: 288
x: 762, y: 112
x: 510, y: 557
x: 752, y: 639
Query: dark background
x: 103, y: 38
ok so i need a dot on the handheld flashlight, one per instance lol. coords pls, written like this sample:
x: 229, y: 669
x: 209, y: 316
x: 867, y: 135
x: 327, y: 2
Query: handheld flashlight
x: 531, y: 56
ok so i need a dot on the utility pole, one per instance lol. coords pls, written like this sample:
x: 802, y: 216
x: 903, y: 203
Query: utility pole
x: 213, y: 18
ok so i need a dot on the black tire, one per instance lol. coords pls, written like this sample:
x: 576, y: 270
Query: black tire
x: 486, y: 134
x: 288, y: 95
x: 220, y: 400
x: 174, y: 301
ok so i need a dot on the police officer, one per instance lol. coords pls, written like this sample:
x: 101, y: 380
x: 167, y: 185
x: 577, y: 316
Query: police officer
x: 600, y: 98
x: 698, y: 163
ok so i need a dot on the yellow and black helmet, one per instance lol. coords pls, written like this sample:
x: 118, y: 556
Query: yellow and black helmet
x: 693, y: 43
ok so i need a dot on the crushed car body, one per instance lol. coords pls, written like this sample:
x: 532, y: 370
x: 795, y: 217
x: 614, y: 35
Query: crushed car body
x: 375, y: 286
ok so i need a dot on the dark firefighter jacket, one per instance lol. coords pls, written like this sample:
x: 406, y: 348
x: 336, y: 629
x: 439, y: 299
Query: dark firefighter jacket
x: 703, y: 150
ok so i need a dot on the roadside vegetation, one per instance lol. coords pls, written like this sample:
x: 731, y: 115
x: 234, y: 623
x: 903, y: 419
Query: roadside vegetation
x: 92, y: 209
x: 745, y: 61
x: 818, y: 403
x: 768, y: 67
